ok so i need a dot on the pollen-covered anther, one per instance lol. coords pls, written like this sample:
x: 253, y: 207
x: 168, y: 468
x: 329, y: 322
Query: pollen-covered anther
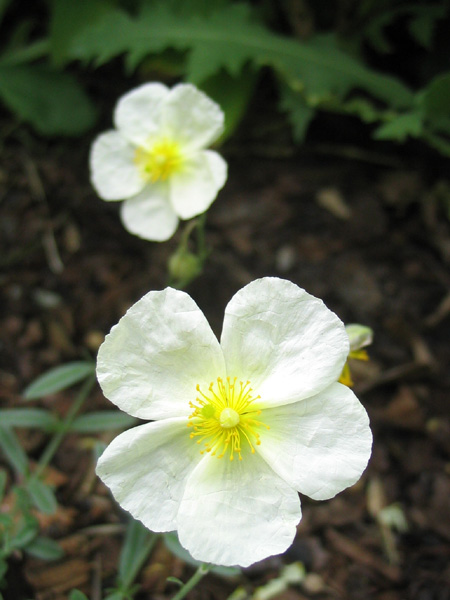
x: 224, y: 416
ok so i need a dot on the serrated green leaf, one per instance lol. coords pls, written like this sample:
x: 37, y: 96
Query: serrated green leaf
x: 28, y: 417
x: 77, y: 595
x: 299, y: 113
x: 67, y: 18
x: 51, y: 101
x: 401, y: 127
x: 173, y: 544
x: 13, y: 450
x: 42, y: 496
x: 228, y: 38
x: 105, y: 420
x: 45, y: 549
x: 58, y: 379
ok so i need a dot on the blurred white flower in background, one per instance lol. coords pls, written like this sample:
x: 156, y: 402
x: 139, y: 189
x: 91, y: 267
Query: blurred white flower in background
x: 156, y: 158
x: 239, y: 427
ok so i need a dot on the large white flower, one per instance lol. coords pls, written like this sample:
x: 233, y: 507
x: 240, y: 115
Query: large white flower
x: 240, y: 426
x: 156, y: 160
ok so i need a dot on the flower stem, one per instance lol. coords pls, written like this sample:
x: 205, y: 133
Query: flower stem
x: 56, y: 440
x: 196, y: 577
x: 201, y: 241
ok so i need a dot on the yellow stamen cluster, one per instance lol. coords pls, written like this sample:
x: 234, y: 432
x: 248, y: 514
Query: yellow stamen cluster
x: 159, y: 161
x: 223, y: 416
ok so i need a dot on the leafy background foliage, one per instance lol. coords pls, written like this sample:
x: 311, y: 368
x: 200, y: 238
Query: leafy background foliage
x: 223, y: 47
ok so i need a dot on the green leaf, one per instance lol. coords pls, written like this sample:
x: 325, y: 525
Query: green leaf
x: 3, y: 569
x: 3, y: 480
x: 117, y: 595
x: 435, y: 98
x: 52, y: 102
x: 228, y: 38
x: 68, y: 18
x: 232, y: 94
x: 45, y: 549
x: 59, y: 379
x: 105, y: 420
x: 28, y: 417
x: 173, y: 544
x: 13, y: 450
x: 42, y: 496
x: 138, y: 543
x: 25, y: 535
x: 77, y: 595
x: 300, y: 114
x: 175, y: 580
x: 401, y: 127
x: 98, y: 449
x: 423, y: 24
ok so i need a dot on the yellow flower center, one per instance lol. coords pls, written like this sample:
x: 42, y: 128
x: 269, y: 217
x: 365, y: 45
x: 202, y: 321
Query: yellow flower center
x: 159, y: 161
x: 223, y: 416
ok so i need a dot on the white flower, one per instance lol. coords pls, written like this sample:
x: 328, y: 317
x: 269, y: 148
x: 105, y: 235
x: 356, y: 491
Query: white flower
x: 240, y: 426
x: 156, y: 160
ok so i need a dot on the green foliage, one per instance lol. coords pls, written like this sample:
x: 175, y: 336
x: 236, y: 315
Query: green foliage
x: 19, y: 531
x: 28, y: 417
x: 172, y: 542
x: 77, y: 595
x: 429, y: 118
x: 421, y: 22
x: 59, y: 378
x: 105, y: 420
x: 50, y: 100
x: 137, y: 546
x: 221, y: 46
x: 229, y: 38
x: 42, y: 496
x: 13, y: 450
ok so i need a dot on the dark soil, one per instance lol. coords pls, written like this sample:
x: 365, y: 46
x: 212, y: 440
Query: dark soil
x: 364, y: 227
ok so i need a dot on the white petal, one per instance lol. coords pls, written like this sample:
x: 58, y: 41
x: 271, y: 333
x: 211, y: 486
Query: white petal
x: 113, y: 172
x: 150, y: 363
x: 287, y: 343
x: 150, y: 214
x: 192, y: 117
x: 320, y: 445
x: 138, y: 113
x: 236, y: 513
x: 146, y: 469
x: 194, y: 189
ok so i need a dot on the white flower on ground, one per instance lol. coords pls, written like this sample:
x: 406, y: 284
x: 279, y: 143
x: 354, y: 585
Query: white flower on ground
x: 156, y: 158
x: 239, y: 427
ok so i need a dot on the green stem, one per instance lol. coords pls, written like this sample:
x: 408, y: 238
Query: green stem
x: 201, y: 242
x: 196, y: 577
x: 56, y: 440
